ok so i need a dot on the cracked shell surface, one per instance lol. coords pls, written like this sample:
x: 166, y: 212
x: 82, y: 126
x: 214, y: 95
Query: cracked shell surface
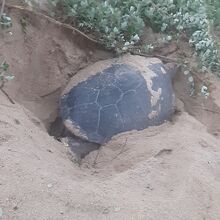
x: 125, y: 95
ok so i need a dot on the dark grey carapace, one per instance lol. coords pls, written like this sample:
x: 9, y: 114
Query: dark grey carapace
x: 119, y: 98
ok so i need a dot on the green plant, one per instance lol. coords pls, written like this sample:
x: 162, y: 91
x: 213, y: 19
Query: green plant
x: 119, y: 24
x: 5, y: 21
x: 193, y: 20
x: 213, y: 11
x: 24, y: 24
x: 4, y: 74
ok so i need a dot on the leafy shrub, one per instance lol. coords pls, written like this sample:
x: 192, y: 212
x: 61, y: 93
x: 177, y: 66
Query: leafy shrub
x: 193, y: 20
x: 119, y: 23
x: 4, y: 74
x: 213, y: 11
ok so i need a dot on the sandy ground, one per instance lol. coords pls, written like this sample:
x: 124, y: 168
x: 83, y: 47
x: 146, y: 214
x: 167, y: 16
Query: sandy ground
x: 168, y: 172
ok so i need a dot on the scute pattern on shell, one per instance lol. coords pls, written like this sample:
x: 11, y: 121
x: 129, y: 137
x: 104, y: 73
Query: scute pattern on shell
x: 117, y: 100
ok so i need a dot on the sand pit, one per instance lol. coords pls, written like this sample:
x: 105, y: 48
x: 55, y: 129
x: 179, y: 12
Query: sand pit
x: 168, y: 172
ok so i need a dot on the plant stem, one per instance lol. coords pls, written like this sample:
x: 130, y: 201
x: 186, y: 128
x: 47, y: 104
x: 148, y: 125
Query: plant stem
x: 2, y: 8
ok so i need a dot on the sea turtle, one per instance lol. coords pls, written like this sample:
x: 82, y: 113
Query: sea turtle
x: 117, y: 95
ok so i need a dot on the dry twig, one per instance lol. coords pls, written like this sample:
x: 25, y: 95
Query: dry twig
x: 5, y: 93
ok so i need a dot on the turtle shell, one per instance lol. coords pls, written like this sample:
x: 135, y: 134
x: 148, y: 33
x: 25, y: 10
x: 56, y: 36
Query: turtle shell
x: 118, y: 95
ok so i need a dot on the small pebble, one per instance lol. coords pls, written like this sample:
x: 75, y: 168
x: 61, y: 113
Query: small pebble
x: 50, y: 185
x: 17, y: 121
x: 117, y: 209
x: 15, y: 208
x: 105, y: 211
x: 186, y: 72
x: 190, y: 79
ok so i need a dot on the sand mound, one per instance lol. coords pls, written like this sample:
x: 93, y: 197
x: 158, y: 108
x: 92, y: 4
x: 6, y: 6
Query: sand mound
x: 168, y: 172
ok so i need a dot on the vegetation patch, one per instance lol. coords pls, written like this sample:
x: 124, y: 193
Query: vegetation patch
x: 120, y: 24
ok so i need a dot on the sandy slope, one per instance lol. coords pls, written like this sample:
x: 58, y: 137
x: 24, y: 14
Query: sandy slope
x: 168, y: 172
